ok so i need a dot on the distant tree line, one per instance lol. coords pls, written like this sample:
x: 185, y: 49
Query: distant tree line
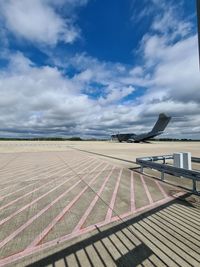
x: 176, y: 139
x: 74, y: 138
x: 42, y: 139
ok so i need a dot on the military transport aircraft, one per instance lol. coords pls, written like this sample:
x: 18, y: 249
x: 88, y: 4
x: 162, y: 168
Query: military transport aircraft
x: 158, y: 129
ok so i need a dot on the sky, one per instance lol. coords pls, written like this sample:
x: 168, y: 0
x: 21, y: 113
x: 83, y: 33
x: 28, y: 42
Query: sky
x: 92, y: 68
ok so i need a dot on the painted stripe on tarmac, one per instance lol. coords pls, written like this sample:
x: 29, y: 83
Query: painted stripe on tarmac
x: 146, y: 189
x: 132, y: 193
x: 112, y: 203
x: 42, y: 235
x: 31, y: 220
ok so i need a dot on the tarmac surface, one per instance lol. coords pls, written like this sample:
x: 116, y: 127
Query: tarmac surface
x: 86, y: 204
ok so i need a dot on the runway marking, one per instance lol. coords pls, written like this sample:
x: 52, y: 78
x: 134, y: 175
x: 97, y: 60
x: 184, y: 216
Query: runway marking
x: 20, y: 189
x: 42, y: 235
x: 146, y: 189
x: 112, y: 203
x: 39, y: 242
x: 92, y: 204
x: 42, y: 168
x: 132, y: 193
x: 10, y: 160
x: 27, y: 173
x: 56, y: 172
x: 36, y: 200
x: 34, y: 190
x: 161, y: 189
x: 59, y: 240
x: 31, y: 220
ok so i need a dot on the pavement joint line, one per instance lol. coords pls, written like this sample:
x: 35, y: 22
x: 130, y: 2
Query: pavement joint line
x: 34, y: 190
x: 30, y: 221
x: 18, y: 168
x: 92, y: 204
x: 114, y: 195
x: 35, y: 200
x: 9, y: 162
x: 146, y: 189
x: 117, y: 217
x: 24, y: 175
x: 45, y: 168
x: 161, y: 188
x: 49, y: 244
x: 41, y: 175
x: 31, y: 164
x: 45, y: 232
x: 132, y: 193
x: 22, y: 164
x: 20, y: 189
x: 103, y: 155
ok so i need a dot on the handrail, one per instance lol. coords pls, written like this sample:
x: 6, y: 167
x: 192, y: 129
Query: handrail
x: 163, y: 168
x: 195, y: 159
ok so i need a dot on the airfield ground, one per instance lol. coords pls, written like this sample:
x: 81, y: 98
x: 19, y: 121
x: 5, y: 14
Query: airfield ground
x: 86, y: 204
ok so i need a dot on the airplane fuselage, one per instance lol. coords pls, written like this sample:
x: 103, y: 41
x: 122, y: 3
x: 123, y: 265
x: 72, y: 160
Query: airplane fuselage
x: 131, y: 137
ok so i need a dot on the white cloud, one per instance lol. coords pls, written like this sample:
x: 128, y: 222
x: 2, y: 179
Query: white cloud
x: 168, y: 23
x: 38, y: 21
x: 116, y: 94
x: 45, y: 101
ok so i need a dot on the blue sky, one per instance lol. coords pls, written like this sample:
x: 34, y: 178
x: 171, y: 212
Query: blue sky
x: 96, y: 67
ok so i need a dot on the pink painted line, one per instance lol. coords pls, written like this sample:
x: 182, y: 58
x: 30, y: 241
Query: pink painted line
x: 146, y: 189
x: 22, y: 171
x: 6, y: 187
x: 132, y: 193
x: 55, y: 242
x: 150, y: 206
x: 92, y: 204
x: 31, y: 192
x: 22, y: 188
x: 25, y: 195
x: 112, y: 203
x: 56, y: 171
x: 36, y: 200
x: 26, y: 180
x: 42, y: 235
x: 31, y: 220
x: 42, y: 168
x: 161, y: 189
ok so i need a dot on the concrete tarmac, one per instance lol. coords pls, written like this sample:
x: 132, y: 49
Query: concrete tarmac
x: 86, y: 204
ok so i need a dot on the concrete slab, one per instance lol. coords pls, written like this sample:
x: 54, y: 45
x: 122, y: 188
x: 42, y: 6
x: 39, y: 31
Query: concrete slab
x: 75, y: 208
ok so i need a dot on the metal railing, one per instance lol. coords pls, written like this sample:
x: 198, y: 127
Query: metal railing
x: 149, y: 162
x: 195, y: 159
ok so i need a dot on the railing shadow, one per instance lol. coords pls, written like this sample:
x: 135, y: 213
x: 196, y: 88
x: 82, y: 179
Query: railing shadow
x: 123, y: 244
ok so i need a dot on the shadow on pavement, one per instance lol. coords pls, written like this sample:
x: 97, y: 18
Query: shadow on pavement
x: 165, y: 235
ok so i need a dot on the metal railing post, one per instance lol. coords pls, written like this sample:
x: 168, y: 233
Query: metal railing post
x: 194, y: 187
x: 162, y: 176
x: 147, y: 162
x: 141, y: 169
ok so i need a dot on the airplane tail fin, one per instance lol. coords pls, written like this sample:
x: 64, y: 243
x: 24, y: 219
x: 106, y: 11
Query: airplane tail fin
x: 161, y: 123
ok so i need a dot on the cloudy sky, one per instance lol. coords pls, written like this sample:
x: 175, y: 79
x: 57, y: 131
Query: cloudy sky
x: 92, y: 68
